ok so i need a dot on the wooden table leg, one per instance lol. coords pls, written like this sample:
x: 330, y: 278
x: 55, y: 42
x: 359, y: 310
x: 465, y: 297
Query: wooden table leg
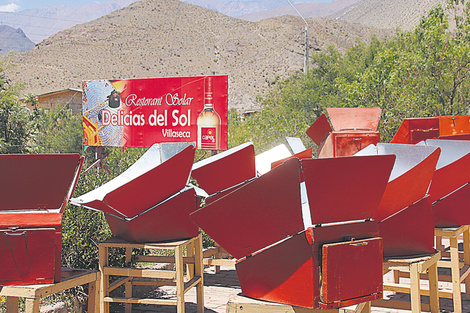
x: 364, y: 307
x: 104, y: 281
x: 94, y: 296
x: 128, y: 285
x: 466, y: 253
x: 433, y: 288
x: 415, y: 289
x: 31, y: 305
x: 12, y: 304
x: 455, y: 270
x: 190, y: 267
x: 179, y: 279
x: 199, y: 271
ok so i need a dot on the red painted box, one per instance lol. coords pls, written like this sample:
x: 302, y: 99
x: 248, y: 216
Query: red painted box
x: 352, y: 130
x: 414, y: 130
x: 34, y: 190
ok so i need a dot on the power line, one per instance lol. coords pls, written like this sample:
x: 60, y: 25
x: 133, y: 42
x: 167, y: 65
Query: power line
x: 42, y: 17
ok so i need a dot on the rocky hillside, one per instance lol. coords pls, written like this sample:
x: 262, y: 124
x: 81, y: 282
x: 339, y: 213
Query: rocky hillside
x: 391, y: 14
x: 308, y: 9
x: 161, y: 38
x: 13, y: 40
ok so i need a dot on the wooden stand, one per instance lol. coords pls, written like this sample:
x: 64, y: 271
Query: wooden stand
x: 241, y: 304
x: 459, y: 270
x: 414, y: 267
x: 213, y: 257
x: 33, y: 293
x: 193, y: 260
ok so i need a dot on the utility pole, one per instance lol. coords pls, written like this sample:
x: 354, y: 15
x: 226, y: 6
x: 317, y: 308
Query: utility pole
x: 306, y: 38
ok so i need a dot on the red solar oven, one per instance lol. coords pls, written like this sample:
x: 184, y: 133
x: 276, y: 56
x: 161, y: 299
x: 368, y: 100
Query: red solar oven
x: 353, y: 130
x: 450, y: 189
x: 237, y: 165
x: 414, y: 130
x: 35, y: 189
x: 150, y: 201
x: 328, y: 258
x: 405, y: 212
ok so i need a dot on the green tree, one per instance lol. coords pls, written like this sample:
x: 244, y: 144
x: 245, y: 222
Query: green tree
x: 60, y: 131
x: 420, y: 73
x: 18, y: 125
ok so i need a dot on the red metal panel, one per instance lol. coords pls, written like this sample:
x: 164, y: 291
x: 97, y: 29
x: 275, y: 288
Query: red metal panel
x: 351, y: 270
x: 454, y: 125
x: 412, y: 183
x: 261, y: 212
x: 306, y: 154
x: 168, y: 221
x: 456, y: 137
x: 226, y: 169
x: 142, y: 192
x: 360, y: 181
x: 276, y: 275
x: 36, y: 181
x: 354, y: 118
x: 414, y: 130
x: 453, y: 168
x: 273, y: 274
x: 28, y: 256
x: 349, y: 143
x: 319, y: 130
x: 409, y: 231
x: 452, y: 211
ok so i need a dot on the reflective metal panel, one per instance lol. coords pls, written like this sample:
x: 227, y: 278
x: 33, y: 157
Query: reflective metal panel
x: 452, y: 170
x: 296, y: 144
x: 319, y: 130
x: 264, y: 160
x: 225, y: 170
x: 410, y: 178
x: 258, y: 214
x: 410, y: 231
x: 36, y: 181
x: 144, y: 185
x: 168, y: 221
x: 365, y: 119
x: 344, y: 189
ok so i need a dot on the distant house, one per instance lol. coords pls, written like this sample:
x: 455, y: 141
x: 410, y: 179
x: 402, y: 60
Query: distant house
x: 54, y: 99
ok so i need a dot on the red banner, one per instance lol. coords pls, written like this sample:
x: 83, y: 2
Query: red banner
x: 141, y: 112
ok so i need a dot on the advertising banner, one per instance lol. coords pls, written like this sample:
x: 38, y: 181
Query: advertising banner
x: 141, y: 112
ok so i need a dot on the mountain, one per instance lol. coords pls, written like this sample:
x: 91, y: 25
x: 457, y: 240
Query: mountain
x: 167, y: 38
x: 13, y: 40
x: 237, y: 8
x: 308, y: 9
x: 392, y: 14
x: 39, y: 24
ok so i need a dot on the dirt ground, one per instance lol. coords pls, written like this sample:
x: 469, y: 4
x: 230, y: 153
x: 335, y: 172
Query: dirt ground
x: 219, y: 288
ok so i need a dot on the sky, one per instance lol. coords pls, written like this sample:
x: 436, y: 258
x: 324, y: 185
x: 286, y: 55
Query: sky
x: 18, y: 5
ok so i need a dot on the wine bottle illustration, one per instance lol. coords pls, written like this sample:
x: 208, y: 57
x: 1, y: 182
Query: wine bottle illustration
x: 208, y: 121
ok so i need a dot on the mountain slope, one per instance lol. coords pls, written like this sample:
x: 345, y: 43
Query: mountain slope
x: 391, y: 14
x: 309, y: 9
x: 13, y: 40
x: 164, y: 38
